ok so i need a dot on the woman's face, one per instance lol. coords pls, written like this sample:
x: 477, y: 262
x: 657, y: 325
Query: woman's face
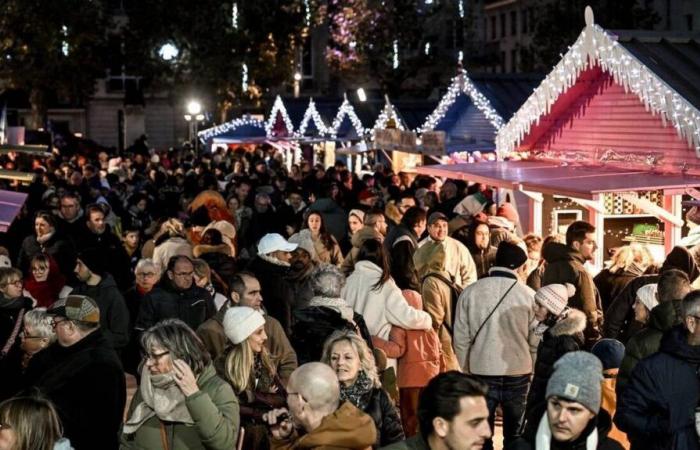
x: 233, y: 205
x: 42, y: 227
x: 354, y: 224
x: 40, y: 271
x: 257, y: 339
x: 158, y: 360
x: 132, y: 239
x: 345, y: 362
x: 314, y: 222
x: 13, y: 288
x: 540, y: 312
x: 30, y: 342
x: 641, y: 313
x: 8, y: 438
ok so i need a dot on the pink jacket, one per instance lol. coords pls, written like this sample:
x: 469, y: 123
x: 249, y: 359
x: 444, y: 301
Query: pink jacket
x: 418, y: 351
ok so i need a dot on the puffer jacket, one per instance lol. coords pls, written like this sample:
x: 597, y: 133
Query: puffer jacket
x: 645, y: 343
x: 193, y: 306
x: 385, y: 416
x: 215, y: 412
x: 657, y: 406
x: 565, y: 265
x: 563, y: 337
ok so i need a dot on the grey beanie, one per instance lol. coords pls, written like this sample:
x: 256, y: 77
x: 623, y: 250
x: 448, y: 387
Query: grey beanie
x: 577, y: 377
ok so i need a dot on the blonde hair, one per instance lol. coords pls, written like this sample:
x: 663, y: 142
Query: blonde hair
x: 367, y: 363
x: 201, y: 268
x: 173, y: 227
x: 34, y: 420
x: 628, y: 255
x: 240, y: 362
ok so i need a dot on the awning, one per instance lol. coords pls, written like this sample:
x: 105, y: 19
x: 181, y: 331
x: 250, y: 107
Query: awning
x: 10, y: 204
x: 550, y: 178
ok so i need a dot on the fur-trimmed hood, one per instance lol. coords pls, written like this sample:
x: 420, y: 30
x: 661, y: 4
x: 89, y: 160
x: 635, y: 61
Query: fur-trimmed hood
x: 202, y: 249
x: 573, y: 323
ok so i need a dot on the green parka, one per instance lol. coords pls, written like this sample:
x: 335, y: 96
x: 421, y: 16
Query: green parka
x: 214, y: 410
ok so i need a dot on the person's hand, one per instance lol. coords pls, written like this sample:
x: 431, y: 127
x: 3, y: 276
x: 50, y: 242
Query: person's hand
x: 284, y: 428
x: 184, y: 378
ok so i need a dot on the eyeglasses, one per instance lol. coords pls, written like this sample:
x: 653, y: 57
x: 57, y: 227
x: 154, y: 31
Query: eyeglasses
x: 14, y: 283
x: 39, y: 269
x: 155, y: 357
x: 55, y: 323
x: 23, y: 334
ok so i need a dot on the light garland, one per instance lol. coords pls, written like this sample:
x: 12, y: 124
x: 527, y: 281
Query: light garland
x: 595, y: 46
x: 234, y: 16
x: 244, y: 77
x: 461, y: 84
x: 310, y: 114
x: 209, y: 133
x: 278, y: 107
x: 346, y: 109
x: 387, y: 113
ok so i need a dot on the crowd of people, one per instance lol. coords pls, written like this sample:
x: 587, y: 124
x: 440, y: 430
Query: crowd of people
x: 264, y: 305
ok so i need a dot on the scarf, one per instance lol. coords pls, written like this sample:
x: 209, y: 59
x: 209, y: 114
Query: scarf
x: 357, y: 394
x: 161, y: 397
x: 543, y: 438
x: 336, y: 304
x: 45, y: 238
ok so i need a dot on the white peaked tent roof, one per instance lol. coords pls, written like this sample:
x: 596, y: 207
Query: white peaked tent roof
x: 278, y: 108
x: 311, y: 114
x: 346, y: 109
x: 387, y: 113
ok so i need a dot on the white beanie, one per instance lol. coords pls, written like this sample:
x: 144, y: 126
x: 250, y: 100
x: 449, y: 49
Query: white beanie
x: 647, y: 295
x: 555, y: 297
x: 240, y: 322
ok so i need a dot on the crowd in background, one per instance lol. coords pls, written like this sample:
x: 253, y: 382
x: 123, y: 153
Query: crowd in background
x: 260, y: 306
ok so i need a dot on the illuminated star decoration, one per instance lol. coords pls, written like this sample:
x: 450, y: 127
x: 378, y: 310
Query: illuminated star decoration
x: 278, y: 107
x: 310, y: 114
x: 595, y: 47
x: 346, y: 109
x: 461, y: 84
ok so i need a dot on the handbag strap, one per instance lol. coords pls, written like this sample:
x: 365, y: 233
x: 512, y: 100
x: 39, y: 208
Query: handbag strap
x: 481, y: 327
x: 163, y: 437
x: 13, y: 336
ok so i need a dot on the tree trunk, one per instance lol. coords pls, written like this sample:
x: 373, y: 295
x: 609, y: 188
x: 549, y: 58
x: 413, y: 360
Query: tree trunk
x: 37, y: 119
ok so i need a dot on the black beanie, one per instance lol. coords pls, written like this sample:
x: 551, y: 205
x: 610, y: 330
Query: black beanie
x: 510, y: 255
x: 93, y: 259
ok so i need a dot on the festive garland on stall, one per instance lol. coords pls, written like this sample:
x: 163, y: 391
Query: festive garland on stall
x: 310, y: 114
x: 387, y: 113
x: 209, y: 133
x: 278, y: 107
x: 346, y: 109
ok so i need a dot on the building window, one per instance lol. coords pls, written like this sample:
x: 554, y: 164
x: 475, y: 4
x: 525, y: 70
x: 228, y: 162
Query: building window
x: 503, y: 25
x: 493, y: 28
x: 514, y: 23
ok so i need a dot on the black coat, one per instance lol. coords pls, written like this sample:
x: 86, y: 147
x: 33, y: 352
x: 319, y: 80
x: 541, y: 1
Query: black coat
x: 563, y: 337
x: 116, y: 261
x: 382, y: 410
x: 9, y: 313
x: 86, y: 383
x: 403, y: 269
x: 193, y: 306
x: 114, y: 315
x: 610, y: 284
x: 483, y: 260
x: 657, y: 406
x: 276, y: 291
x: 602, y: 422
x: 61, y: 250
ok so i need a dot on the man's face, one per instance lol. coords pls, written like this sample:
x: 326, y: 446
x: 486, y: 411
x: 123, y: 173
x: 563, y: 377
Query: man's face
x: 567, y: 420
x: 252, y: 296
x: 262, y: 203
x: 182, y: 274
x: 69, y: 208
x: 96, y: 222
x: 587, y: 247
x: 295, y: 200
x: 132, y: 239
x: 469, y: 429
x: 82, y: 271
x: 482, y: 237
x: 438, y: 230
x: 406, y: 203
x: 242, y: 191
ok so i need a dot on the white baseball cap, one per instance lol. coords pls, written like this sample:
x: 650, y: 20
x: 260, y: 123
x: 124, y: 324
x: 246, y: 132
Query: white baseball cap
x: 273, y: 242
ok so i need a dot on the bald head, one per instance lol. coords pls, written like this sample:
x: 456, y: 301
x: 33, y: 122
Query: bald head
x: 318, y: 384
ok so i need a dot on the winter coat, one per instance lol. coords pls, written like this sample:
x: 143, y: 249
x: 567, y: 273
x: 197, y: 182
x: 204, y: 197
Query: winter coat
x: 437, y: 302
x: 58, y: 247
x: 46, y: 292
x: 563, y: 337
x: 214, y: 410
x: 385, y: 416
x: 657, y: 406
x: 415, y: 443
x: 321, y: 253
x: 419, y: 352
x: 276, y: 291
x: 484, y: 260
x: 506, y: 344
x: 363, y: 234
x: 174, y: 246
x: 10, y: 310
x: 565, y: 265
x: 86, y: 384
x: 212, y: 334
x: 383, y: 307
x: 193, y: 306
x: 610, y: 284
x: 218, y: 257
x: 400, y: 251
x: 117, y: 261
x: 601, y: 422
x: 458, y: 261
x: 534, y: 280
x: 334, y: 217
x: 313, y: 325
x: 621, y: 311
x: 609, y: 404
x: 647, y: 341
x: 114, y: 315
x: 347, y: 428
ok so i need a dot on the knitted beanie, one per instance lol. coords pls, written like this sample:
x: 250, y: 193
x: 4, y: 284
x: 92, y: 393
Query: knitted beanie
x: 358, y: 213
x: 510, y: 255
x: 647, y: 295
x: 610, y: 352
x: 555, y: 297
x: 240, y: 322
x: 577, y: 378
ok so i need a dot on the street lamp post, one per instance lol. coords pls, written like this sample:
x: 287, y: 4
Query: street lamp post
x: 193, y: 117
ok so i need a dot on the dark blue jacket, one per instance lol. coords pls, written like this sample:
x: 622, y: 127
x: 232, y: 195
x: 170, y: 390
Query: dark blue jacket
x: 657, y: 407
